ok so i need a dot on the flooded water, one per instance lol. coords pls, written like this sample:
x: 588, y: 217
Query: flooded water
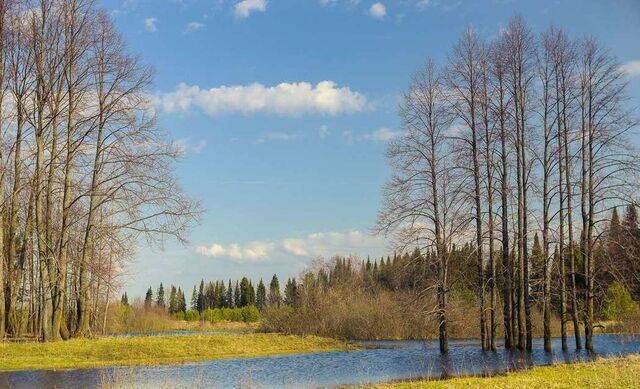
x: 379, y: 361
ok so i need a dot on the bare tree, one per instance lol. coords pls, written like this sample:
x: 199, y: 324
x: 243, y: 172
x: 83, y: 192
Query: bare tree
x: 423, y: 200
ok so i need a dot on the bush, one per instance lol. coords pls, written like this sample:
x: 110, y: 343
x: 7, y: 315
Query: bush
x: 126, y: 319
x: 191, y: 315
x: 618, y: 304
x: 250, y: 314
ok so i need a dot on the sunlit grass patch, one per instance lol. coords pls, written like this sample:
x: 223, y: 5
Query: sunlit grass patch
x: 85, y: 353
x: 603, y: 373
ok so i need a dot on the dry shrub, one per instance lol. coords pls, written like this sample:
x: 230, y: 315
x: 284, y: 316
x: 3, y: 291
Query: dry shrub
x: 136, y: 318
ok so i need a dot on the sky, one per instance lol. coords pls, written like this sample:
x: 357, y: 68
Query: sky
x: 284, y: 107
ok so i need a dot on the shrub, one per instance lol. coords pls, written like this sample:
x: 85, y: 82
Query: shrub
x: 250, y: 314
x: 618, y: 303
x: 191, y: 315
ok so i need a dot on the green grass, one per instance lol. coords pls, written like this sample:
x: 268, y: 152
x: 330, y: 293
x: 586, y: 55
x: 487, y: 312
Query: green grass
x: 154, y: 350
x: 603, y: 373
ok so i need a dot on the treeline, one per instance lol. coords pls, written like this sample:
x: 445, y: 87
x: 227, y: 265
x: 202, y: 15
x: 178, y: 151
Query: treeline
x: 84, y: 172
x: 524, y: 135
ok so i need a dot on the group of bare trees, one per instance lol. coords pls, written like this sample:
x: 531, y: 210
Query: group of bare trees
x: 513, y: 137
x: 84, y: 171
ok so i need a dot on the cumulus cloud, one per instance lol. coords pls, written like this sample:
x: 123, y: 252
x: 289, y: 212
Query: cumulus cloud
x: 320, y: 244
x: 285, y: 99
x: 244, y: 8
x: 194, y: 26
x: 323, y: 131
x: 150, y: 24
x: 250, y: 252
x: 277, y: 136
x: 380, y: 135
x: 378, y: 11
x: 631, y: 68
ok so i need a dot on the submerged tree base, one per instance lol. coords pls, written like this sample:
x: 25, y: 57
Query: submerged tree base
x: 154, y: 350
x: 603, y: 373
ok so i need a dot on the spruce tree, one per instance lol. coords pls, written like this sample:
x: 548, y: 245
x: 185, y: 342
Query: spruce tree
x: 237, y: 295
x: 173, y: 300
x: 182, y: 302
x: 125, y: 299
x: 200, y: 299
x: 230, y: 301
x: 244, y: 292
x: 194, y: 299
x: 160, y: 297
x: 261, y: 296
x: 274, y: 292
x: 148, y: 299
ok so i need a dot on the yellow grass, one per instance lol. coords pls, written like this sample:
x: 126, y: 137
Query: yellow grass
x: 154, y: 350
x: 603, y: 373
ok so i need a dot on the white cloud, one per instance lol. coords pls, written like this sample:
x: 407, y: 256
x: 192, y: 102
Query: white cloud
x: 380, y: 135
x: 187, y: 146
x: 277, y: 136
x: 251, y: 252
x: 195, y: 26
x: 378, y: 11
x: 632, y: 68
x: 286, y: 99
x: 323, y: 131
x: 150, y: 24
x: 244, y: 8
x: 320, y: 244
x: 422, y: 4
x: 325, y: 3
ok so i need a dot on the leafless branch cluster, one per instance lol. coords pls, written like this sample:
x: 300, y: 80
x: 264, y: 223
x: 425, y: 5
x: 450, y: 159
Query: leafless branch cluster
x: 511, y: 138
x: 85, y: 172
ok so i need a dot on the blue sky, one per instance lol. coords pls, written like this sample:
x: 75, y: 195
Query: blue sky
x: 284, y: 108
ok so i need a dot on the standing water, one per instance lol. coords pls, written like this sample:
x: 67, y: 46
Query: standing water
x: 377, y: 361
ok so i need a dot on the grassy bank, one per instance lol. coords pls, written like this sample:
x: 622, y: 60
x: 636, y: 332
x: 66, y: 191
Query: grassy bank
x: 604, y: 373
x: 85, y: 353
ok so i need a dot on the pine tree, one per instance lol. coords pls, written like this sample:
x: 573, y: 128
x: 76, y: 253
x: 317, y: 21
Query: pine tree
x: 230, y: 301
x: 274, y: 292
x: 148, y: 299
x: 125, y: 299
x: 291, y: 293
x: 160, y: 297
x: 182, y: 302
x: 261, y: 296
x: 200, y: 298
x: 237, y: 296
x: 244, y: 292
x: 173, y: 300
x: 194, y: 299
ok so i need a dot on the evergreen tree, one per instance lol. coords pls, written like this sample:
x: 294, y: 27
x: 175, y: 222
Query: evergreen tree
x: 194, y: 299
x: 230, y: 300
x: 237, y: 297
x: 274, y: 292
x: 291, y: 293
x: 148, y: 299
x: 173, y: 300
x: 125, y: 299
x: 160, y: 297
x: 261, y: 296
x: 182, y: 302
x: 200, y: 299
x: 244, y: 292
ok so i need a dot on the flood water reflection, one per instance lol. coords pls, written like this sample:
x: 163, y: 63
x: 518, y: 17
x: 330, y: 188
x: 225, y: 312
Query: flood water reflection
x: 379, y: 361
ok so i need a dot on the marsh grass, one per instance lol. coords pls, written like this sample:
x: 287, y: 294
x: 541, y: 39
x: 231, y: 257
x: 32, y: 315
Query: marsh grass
x: 603, y: 373
x: 154, y: 350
